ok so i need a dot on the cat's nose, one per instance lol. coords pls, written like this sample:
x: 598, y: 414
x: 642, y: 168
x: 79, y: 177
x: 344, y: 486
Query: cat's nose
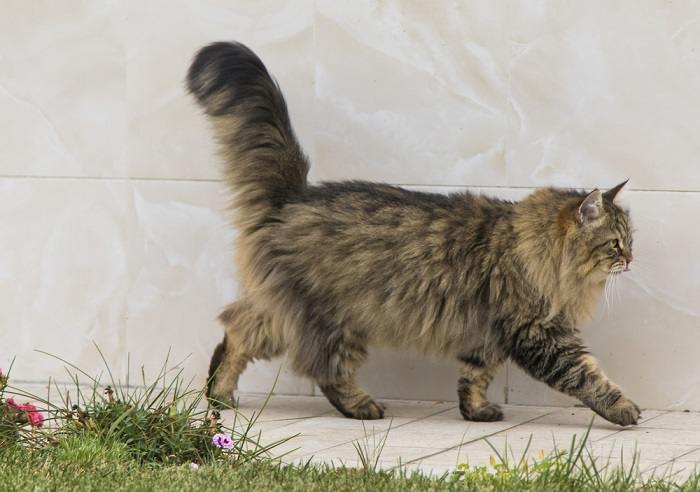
x: 628, y: 260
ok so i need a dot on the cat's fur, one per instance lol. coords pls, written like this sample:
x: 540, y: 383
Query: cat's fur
x: 330, y: 269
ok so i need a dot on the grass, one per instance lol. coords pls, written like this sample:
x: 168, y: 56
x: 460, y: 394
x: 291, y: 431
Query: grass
x: 87, y: 463
x: 158, y: 436
x: 163, y: 421
x: 369, y: 450
x: 57, y: 470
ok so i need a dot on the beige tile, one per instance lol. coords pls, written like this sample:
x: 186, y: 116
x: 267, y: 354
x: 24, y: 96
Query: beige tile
x: 441, y: 433
x: 279, y: 411
x: 475, y: 454
x: 62, y: 98
x: 646, y: 450
x: 63, y: 276
x: 582, y: 417
x: 676, y: 420
x: 533, y: 96
x: 365, y: 119
x: 677, y: 473
x: 415, y: 409
x: 650, y: 435
x: 481, y: 454
x: 445, y: 430
x: 389, y: 455
x: 404, y: 454
x: 168, y: 135
x: 690, y: 458
x: 102, y: 108
x: 319, y: 435
x: 563, y: 425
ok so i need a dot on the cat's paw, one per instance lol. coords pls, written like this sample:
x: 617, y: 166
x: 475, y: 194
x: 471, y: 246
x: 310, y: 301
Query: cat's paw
x: 487, y: 413
x: 368, y: 410
x: 624, y: 412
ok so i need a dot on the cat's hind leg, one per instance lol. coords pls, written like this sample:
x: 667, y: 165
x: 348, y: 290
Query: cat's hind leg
x: 475, y: 377
x: 351, y: 400
x: 248, y: 336
x: 330, y: 355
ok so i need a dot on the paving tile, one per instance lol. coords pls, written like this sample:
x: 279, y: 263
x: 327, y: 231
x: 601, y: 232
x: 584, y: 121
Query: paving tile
x: 690, y: 458
x: 278, y: 411
x: 583, y: 416
x: 676, y: 420
x: 677, y: 472
x: 318, y: 434
x: 389, y: 456
x: 481, y: 453
x: 650, y: 435
x: 561, y: 434
x: 416, y: 409
x: 433, y: 437
x: 626, y: 449
x: 447, y: 430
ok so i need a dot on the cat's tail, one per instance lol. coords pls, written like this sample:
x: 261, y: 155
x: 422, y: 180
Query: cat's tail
x: 265, y: 165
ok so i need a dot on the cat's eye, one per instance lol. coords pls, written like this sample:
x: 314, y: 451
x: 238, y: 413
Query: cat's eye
x: 614, y: 243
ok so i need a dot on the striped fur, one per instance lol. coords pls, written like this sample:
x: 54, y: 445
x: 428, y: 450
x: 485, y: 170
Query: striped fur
x: 329, y: 270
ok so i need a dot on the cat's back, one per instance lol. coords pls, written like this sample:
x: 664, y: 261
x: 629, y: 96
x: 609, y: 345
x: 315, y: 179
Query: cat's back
x: 374, y: 208
x: 373, y: 223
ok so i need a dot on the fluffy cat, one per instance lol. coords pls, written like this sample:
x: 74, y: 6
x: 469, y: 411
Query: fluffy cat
x: 330, y: 269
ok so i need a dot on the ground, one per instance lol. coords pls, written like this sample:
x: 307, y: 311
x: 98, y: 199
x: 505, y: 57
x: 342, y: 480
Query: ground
x: 432, y: 436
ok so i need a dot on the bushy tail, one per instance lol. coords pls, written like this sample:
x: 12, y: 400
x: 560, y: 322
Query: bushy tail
x: 265, y: 165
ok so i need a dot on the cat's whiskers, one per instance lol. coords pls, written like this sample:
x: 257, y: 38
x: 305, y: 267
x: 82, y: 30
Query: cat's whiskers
x: 616, y: 290
x: 613, y: 283
x: 606, y: 292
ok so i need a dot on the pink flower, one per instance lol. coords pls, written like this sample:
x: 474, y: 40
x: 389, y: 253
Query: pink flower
x: 34, y: 416
x: 222, y: 441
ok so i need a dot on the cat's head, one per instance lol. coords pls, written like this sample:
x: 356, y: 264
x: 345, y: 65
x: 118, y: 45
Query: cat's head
x: 600, y: 235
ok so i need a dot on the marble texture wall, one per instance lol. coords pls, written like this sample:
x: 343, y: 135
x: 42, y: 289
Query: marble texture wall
x: 112, y: 205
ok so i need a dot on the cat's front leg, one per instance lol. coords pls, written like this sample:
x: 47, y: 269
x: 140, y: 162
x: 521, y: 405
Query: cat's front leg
x: 557, y: 357
x: 475, y: 377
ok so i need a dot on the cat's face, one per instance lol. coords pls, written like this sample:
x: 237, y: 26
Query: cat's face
x: 602, y: 240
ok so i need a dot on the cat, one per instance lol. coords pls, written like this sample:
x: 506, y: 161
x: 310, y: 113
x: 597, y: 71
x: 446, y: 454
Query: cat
x: 331, y: 269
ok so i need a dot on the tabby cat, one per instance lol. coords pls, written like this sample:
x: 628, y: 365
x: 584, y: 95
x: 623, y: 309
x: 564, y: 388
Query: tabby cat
x: 331, y: 269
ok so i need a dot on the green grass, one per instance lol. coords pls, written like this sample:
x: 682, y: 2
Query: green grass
x: 85, y: 463
x: 148, y: 437
x: 163, y: 420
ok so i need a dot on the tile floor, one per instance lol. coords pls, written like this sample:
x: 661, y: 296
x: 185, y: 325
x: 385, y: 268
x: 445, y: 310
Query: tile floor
x: 431, y: 435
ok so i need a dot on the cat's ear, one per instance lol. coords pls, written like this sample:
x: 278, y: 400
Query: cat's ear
x: 591, y: 207
x: 612, y: 192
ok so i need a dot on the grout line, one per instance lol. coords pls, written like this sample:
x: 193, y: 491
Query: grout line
x: 220, y: 180
x: 652, y: 467
x: 619, y: 431
x: 672, y: 460
x: 111, y: 178
x: 460, y: 445
x: 291, y: 421
x: 377, y: 432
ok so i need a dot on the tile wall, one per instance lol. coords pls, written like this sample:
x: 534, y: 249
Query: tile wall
x: 112, y: 206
